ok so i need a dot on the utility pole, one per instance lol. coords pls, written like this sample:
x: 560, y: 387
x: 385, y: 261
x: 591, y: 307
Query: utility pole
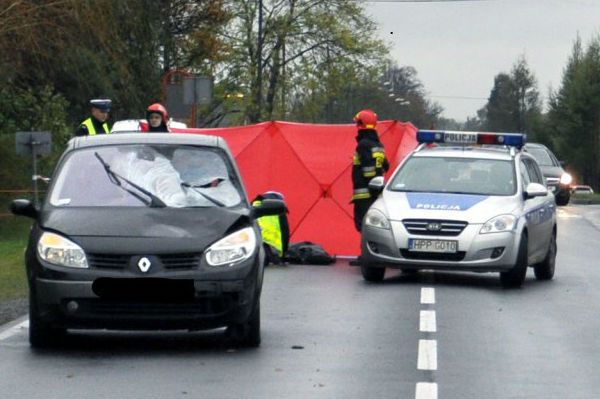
x: 259, y: 45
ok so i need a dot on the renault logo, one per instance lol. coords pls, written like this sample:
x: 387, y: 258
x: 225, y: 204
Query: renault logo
x: 144, y: 264
x: 434, y: 226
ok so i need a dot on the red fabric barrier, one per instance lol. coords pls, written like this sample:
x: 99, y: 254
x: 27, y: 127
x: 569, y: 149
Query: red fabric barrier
x: 311, y: 166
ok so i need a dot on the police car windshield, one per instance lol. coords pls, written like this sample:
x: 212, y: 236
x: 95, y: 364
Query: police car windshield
x: 178, y: 176
x: 455, y: 175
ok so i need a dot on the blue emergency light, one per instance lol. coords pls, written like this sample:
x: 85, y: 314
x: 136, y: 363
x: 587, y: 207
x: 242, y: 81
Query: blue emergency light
x: 470, y: 138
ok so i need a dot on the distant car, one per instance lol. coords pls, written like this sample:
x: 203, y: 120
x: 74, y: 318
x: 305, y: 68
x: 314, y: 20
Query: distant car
x: 451, y: 205
x: 557, y: 180
x: 145, y: 232
x: 582, y: 189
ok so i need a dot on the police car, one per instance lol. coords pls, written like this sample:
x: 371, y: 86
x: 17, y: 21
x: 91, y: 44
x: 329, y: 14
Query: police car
x: 462, y: 201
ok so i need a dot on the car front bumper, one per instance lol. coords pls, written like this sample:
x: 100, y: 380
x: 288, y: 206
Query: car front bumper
x: 476, y: 252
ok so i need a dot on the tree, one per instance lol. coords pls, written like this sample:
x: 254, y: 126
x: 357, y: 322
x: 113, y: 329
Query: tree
x: 285, y: 46
x: 514, y: 104
x: 574, y: 112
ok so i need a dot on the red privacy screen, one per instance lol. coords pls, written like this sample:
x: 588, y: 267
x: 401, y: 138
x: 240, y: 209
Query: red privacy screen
x: 311, y: 166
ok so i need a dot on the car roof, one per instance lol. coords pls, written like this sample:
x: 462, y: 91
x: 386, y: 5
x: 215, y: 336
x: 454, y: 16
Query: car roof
x: 147, y: 138
x: 498, y: 153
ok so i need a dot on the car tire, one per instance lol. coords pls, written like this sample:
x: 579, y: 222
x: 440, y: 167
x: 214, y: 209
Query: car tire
x: 42, y: 334
x: 372, y: 274
x: 247, y: 334
x: 515, y: 277
x: 562, y: 200
x: 545, y: 269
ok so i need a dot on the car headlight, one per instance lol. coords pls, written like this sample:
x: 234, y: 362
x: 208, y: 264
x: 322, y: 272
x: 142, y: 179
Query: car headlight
x: 60, y: 251
x: 499, y: 224
x: 233, y: 248
x: 566, y: 179
x: 377, y: 219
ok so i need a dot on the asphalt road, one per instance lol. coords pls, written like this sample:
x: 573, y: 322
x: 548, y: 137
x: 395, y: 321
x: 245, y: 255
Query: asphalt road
x: 329, y: 334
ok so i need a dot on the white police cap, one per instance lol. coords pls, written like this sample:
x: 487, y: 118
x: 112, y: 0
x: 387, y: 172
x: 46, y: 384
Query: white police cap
x: 101, y: 103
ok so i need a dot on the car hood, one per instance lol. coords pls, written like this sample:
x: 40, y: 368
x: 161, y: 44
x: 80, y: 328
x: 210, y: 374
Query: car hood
x: 552, y: 171
x: 173, y: 229
x: 466, y: 207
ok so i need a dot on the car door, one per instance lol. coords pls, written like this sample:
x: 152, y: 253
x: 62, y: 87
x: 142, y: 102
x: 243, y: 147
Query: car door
x: 539, y: 211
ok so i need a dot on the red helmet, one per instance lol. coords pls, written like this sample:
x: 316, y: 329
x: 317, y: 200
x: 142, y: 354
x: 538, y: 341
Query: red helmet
x: 158, y: 108
x: 365, y: 119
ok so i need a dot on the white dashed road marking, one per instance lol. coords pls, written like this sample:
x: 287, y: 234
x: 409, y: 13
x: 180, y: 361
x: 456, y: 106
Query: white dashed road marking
x: 426, y: 390
x: 427, y: 354
x: 427, y: 296
x: 427, y: 321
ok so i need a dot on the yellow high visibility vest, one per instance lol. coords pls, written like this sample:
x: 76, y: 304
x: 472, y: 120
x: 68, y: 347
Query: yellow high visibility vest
x: 270, y: 230
x: 91, y: 129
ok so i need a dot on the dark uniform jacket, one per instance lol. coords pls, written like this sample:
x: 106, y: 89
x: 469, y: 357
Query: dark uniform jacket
x: 369, y: 161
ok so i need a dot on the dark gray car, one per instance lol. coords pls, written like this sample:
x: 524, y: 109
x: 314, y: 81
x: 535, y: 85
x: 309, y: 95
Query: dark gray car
x: 144, y: 231
x: 557, y: 180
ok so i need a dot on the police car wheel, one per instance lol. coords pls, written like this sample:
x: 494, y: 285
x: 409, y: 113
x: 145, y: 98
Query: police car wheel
x: 373, y: 274
x: 42, y: 334
x: 515, y: 277
x: 545, y: 269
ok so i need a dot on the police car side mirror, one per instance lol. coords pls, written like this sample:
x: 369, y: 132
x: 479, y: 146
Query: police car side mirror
x: 268, y: 207
x: 23, y: 207
x: 376, y: 184
x: 535, y: 190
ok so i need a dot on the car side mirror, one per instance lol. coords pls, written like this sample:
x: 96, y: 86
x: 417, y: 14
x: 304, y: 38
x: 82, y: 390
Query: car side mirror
x: 376, y: 184
x: 269, y: 207
x: 562, y: 163
x: 23, y: 207
x: 535, y: 190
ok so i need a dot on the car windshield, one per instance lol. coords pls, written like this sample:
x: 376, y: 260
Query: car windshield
x: 455, y: 175
x: 146, y: 175
x: 541, y: 156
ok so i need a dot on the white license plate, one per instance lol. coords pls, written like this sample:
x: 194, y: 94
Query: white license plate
x: 443, y: 246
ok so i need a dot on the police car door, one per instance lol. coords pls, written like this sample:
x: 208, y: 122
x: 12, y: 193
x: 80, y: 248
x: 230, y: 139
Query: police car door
x: 538, y: 210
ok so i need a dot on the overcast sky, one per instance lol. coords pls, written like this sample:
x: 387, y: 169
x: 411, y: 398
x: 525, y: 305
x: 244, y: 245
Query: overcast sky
x: 457, y: 47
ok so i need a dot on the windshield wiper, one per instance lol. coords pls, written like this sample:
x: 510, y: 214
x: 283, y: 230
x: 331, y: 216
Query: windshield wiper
x: 115, y: 178
x: 208, y: 197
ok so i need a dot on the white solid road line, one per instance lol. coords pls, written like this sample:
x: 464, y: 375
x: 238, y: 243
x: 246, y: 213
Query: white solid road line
x: 426, y: 390
x: 427, y: 321
x: 9, y: 332
x: 428, y: 295
x: 427, y: 354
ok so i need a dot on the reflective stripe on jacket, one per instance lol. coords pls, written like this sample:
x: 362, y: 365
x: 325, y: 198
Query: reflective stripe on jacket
x: 89, y: 124
x: 270, y: 230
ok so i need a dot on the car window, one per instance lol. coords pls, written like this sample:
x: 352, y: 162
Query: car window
x: 525, y: 178
x: 456, y: 175
x: 179, y: 176
x: 535, y: 175
x: 542, y: 156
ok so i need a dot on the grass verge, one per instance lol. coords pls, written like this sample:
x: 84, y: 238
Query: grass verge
x: 13, y: 240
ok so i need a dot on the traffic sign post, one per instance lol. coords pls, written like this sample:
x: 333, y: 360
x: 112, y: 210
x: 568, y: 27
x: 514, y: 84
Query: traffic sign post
x: 34, y: 144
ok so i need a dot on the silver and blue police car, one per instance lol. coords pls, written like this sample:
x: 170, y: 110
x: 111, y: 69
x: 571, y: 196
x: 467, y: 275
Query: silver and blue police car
x: 462, y: 201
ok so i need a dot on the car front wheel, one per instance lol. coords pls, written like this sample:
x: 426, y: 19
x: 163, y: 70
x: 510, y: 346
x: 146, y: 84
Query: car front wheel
x: 247, y: 334
x: 545, y: 269
x: 42, y: 334
x: 373, y: 274
x: 515, y: 277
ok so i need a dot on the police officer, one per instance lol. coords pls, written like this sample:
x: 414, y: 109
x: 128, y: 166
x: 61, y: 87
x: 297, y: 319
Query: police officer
x: 96, y: 124
x: 369, y: 161
x: 274, y: 229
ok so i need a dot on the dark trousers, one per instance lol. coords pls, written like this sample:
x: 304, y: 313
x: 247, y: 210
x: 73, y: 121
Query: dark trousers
x: 361, y: 206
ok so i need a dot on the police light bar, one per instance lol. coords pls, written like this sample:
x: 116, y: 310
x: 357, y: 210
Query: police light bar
x: 471, y: 138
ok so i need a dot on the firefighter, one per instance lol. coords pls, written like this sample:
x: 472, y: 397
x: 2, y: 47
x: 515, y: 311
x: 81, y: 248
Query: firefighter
x: 369, y: 161
x: 157, y: 118
x: 96, y: 123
